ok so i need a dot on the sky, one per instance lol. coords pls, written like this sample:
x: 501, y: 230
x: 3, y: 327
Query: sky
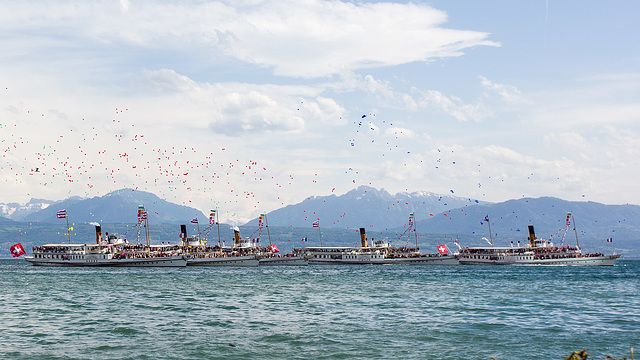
x: 248, y: 106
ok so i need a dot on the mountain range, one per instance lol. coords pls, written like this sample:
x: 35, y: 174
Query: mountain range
x: 365, y: 207
x: 509, y: 221
x: 118, y: 206
x: 436, y: 216
x: 17, y: 212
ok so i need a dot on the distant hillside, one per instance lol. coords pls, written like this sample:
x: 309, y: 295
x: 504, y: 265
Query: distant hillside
x: 15, y: 211
x: 595, y: 222
x: 119, y: 206
x: 364, y: 207
x: 4, y: 220
x: 439, y: 220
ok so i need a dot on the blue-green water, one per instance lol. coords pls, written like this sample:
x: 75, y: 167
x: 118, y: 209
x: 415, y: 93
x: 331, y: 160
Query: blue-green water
x: 318, y: 312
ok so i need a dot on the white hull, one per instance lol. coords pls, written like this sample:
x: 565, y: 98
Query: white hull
x: 284, y: 261
x: 425, y: 260
x: 249, y: 260
x: 467, y: 261
x: 169, y: 261
x: 605, y: 260
x: 350, y: 261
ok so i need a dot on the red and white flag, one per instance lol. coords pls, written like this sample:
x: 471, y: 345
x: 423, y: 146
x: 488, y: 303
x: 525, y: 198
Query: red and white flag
x: 442, y: 249
x: 194, y: 221
x: 62, y: 214
x: 316, y: 223
x: 17, y: 250
x: 274, y: 249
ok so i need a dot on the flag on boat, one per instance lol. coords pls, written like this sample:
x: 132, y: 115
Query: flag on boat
x: 486, y: 218
x: 62, y: 214
x: 212, y: 217
x: 568, y: 219
x: 195, y: 220
x: 17, y: 250
x: 442, y: 249
x: 610, y: 240
x: 316, y: 223
x: 261, y: 220
x: 142, y: 214
x: 273, y: 248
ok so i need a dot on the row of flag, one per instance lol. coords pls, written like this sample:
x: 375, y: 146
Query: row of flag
x: 142, y: 214
x: 17, y: 249
x: 212, y: 218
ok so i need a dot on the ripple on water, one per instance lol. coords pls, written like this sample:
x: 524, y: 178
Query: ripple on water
x: 320, y: 312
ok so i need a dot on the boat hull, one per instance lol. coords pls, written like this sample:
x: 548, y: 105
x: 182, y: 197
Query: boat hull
x: 604, y: 260
x: 467, y: 261
x: 250, y: 260
x: 425, y: 260
x: 169, y: 261
x: 360, y: 261
x: 284, y: 261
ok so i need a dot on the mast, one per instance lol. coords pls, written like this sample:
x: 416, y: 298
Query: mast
x: 413, y: 226
x: 486, y: 218
x: 195, y: 221
x: 575, y: 231
x: 213, y: 219
x: 143, y: 217
x: 68, y: 229
x: 219, y: 239
x: 266, y: 224
x: 147, y: 234
x: 319, y: 233
x: 62, y: 214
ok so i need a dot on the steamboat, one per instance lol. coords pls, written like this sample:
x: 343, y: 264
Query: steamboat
x: 535, y: 252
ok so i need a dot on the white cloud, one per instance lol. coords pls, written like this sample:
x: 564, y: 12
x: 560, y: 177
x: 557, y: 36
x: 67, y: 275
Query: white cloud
x: 312, y: 38
x: 508, y: 93
x: 237, y: 108
x: 454, y: 106
x: 283, y: 82
x: 319, y: 38
x: 324, y: 110
x: 166, y: 80
x: 125, y: 5
x: 400, y: 132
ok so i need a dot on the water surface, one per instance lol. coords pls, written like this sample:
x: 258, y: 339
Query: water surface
x: 318, y: 312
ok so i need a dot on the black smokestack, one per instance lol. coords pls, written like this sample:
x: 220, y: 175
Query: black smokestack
x: 98, y: 234
x: 183, y: 231
x: 532, y: 235
x: 363, y: 238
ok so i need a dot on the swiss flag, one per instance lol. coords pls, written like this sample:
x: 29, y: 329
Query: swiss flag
x: 17, y: 250
x: 442, y: 249
x: 273, y: 249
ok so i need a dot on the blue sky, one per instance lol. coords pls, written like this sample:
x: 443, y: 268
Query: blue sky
x: 250, y: 105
